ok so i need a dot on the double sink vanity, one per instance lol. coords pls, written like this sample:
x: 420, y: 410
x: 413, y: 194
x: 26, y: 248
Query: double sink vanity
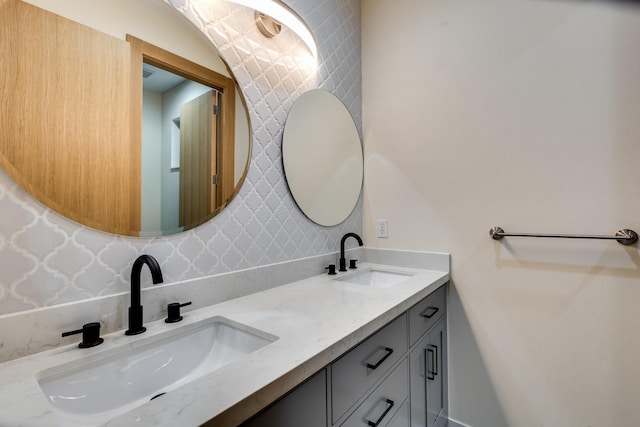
x: 362, y: 347
x: 277, y: 345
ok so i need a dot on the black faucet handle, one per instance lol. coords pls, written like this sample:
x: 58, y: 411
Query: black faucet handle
x: 173, y: 312
x: 352, y: 263
x: 90, y: 335
x: 332, y: 269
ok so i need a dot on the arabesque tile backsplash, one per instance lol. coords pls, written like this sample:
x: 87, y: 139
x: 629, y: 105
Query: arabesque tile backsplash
x: 47, y: 260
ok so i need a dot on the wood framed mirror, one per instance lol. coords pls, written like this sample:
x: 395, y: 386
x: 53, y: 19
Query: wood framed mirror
x: 73, y: 135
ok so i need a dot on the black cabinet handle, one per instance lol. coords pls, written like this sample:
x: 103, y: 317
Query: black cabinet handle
x: 433, y: 353
x: 435, y: 365
x: 433, y: 312
x: 430, y: 374
x: 384, y: 414
x: 388, y: 353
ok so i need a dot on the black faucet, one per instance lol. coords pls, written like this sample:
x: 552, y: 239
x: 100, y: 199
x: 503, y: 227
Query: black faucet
x: 343, y: 261
x: 135, y: 310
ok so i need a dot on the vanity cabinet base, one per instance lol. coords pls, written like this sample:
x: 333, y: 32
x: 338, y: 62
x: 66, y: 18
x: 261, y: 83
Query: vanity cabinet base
x: 395, y: 378
x: 305, y: 406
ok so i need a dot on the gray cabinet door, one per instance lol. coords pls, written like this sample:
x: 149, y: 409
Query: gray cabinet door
x: 428, y: 378
x: 436, y: 352
x: 418, y: 383
x: 304, y: 406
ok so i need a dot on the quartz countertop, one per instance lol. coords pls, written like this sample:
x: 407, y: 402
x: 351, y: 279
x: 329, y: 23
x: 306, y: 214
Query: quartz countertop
x: 316, y: 320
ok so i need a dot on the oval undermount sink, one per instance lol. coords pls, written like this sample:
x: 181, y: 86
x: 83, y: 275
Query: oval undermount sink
x: 102, y: 386
x: 375, y: 278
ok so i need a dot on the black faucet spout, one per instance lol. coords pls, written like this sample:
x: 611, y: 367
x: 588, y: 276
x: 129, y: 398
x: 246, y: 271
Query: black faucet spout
x: 343, y: 261
x: 135, y: 310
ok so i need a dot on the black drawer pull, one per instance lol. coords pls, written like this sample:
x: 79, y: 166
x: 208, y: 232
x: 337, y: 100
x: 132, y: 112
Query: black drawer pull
x: 388, y: 351
x: 384, y: 414
x: 430, y: 315
x: 433, y: 353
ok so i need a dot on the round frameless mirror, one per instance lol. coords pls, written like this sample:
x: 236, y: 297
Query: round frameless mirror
x: 322, y: 157
x: 88, y: 137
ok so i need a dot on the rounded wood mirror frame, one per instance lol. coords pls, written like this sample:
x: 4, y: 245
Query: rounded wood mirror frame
x: 71, y: 134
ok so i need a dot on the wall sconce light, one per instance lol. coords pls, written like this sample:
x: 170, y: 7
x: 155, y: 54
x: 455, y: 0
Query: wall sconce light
x: 271, y: 13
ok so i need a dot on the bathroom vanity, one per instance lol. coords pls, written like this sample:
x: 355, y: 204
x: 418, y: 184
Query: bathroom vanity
x: 405, y: 383
x: 363, y: 347
x: 250, y: 336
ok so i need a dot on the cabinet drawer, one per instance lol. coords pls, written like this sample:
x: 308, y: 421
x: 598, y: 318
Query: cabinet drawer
x: 424, y: 314
x: 356, y: 371
x: 401, y: 418
x: 381, y: 406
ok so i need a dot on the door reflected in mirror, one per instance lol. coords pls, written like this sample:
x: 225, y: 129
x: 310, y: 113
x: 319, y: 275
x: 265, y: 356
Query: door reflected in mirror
x: 179, y: 118
x: 188, y: 128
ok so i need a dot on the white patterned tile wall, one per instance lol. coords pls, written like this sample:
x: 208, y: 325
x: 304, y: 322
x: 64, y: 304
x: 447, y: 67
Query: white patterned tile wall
x: 47, y: 260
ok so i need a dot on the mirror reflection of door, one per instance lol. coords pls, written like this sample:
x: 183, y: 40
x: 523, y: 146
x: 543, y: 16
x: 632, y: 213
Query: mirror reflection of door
x: 198, y: 178
x: 191, y: 133
x: 180, y: 151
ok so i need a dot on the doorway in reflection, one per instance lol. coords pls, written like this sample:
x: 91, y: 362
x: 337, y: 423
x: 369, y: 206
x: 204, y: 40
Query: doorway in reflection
x: 179, y: 140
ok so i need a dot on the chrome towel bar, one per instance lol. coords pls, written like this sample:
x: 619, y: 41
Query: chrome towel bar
x: 623, y: 236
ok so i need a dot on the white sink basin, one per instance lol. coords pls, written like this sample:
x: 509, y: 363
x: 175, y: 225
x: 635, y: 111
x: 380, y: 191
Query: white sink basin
x: 92, y: 391
x: 375, y: 278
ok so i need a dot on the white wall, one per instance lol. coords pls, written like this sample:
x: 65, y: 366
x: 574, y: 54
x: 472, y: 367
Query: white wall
x: 523, y: 114
x: 151, y: 161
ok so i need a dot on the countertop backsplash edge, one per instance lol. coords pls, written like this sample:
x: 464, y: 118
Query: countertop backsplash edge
x: 38, y: 330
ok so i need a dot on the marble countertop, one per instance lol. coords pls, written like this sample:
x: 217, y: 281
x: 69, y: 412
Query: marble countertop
x: 316, y: 320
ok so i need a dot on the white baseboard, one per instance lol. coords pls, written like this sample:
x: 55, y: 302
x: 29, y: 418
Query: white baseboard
x: 454, y: 423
